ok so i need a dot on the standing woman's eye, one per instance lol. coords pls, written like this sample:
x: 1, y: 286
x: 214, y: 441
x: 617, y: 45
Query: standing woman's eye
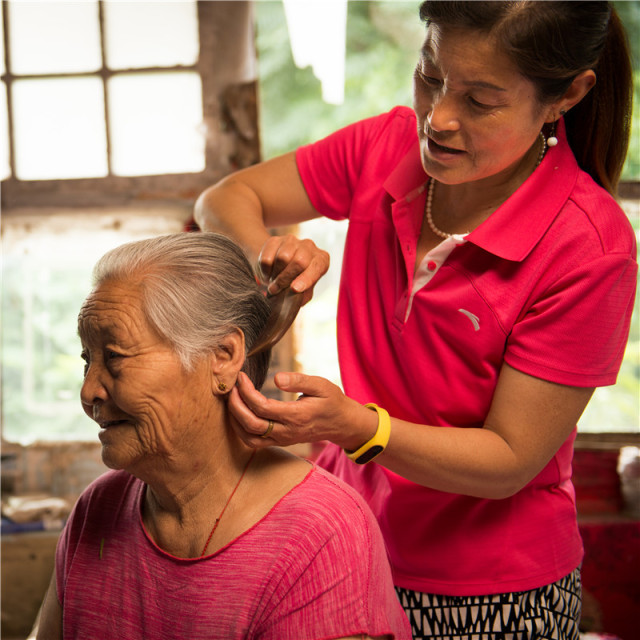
x: 428, y: 80
x: 478, y: 104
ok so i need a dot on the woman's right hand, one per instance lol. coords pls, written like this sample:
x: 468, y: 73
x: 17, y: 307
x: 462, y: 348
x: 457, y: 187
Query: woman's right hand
x: 288, y: 261
x: 321, y: 411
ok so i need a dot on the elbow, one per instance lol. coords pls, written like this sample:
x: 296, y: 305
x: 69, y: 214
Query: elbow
x: 202, y: 210
x: 504, y: 486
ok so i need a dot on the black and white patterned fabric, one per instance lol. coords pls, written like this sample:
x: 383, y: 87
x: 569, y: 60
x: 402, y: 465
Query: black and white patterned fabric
x: 549, y: 613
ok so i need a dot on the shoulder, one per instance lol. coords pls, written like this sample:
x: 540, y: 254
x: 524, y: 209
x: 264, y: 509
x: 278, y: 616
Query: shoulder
x: 324, y: 503
x: 400, y: 119
x: 110, y: 482
x: 603, y: 217
x: 108, y: 493
x: 399, y: 123
x: 100, y: 509
x: 324, y: 523
x: 355, y: 161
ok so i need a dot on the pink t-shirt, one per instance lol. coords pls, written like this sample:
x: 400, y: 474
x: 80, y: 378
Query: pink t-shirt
x: 314, y: 567
x: 546, y: 284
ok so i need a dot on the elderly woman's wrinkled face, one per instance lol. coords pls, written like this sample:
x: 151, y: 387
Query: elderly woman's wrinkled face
x: 135, y: 386
x: 477, y: 115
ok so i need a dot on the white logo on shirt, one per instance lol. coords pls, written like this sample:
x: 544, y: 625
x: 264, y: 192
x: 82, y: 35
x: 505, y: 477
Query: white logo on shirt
x: 475, y: 321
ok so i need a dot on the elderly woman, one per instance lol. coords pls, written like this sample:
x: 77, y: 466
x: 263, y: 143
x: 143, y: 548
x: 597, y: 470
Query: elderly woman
x: 194, y: 534
x: 487, y: 287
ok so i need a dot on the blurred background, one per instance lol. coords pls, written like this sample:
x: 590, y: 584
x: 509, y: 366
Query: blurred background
x: 114, y: 116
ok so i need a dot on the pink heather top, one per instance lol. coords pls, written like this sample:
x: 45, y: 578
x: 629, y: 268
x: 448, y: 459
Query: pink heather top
x: 314, y: 567
x: 546, y: 284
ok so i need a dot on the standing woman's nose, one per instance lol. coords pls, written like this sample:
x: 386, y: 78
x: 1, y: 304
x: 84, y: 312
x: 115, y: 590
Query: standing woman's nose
x: 443, y: 113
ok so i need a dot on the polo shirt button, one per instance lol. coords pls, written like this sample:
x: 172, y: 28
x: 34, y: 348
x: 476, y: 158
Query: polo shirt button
x: 431, y: 265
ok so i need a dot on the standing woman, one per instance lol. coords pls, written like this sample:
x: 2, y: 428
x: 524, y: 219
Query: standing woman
x: 487, y: 288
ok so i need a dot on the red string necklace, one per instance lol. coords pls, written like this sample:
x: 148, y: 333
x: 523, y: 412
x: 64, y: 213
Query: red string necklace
x: 215, y: 524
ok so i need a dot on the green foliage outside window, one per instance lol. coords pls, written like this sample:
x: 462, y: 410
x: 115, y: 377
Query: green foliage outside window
x: 383, y: 41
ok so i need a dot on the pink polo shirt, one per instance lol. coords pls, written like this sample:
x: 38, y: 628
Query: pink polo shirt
x: 546, y: 284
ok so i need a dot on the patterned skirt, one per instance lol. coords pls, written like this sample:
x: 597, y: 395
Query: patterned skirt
x: 550, y: 613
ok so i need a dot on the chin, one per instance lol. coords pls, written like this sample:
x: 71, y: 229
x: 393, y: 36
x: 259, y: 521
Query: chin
x: 111, y: 459
x: 119, y: 458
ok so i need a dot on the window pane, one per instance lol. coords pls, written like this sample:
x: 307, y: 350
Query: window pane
x: 49, y: 37
x: 138, y: 34
x: 156, y: 123
x: 5, y: 170
x: 59, y: 128
x: 46, y: 272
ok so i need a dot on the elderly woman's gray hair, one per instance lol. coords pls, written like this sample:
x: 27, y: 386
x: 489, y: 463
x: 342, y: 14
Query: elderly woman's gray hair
x: 196, y: 288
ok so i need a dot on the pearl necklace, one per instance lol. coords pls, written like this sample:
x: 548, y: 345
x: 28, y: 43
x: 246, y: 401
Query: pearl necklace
x: 432, y: 182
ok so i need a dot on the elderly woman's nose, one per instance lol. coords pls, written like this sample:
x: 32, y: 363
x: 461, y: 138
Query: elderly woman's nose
x: 93, y: 390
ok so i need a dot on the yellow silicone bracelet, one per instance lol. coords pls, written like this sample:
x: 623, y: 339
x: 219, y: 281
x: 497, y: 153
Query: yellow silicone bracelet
x: 374, y: 447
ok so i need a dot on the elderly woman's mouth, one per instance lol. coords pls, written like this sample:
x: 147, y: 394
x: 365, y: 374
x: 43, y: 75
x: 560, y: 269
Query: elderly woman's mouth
x: 106, y: 424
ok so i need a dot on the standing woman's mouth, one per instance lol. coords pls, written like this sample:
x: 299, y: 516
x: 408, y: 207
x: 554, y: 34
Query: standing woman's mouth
x: 435, y: 147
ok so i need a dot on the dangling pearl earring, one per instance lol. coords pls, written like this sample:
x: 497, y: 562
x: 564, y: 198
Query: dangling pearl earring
x: 552, y: 141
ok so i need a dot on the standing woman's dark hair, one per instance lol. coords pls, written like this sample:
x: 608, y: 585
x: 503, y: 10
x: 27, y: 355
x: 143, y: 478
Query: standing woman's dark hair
x: 551, y: 43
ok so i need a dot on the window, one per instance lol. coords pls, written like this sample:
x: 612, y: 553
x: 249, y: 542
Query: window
x: 47, y: 262
x: 114, y: 116
x: 92, y: 85
x: 133, y: 104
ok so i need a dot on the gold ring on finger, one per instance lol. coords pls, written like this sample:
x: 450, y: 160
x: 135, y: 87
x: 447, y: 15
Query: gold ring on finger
x: 269, y: 429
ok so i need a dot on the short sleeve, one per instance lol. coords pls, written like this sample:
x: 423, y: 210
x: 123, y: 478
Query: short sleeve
x: 332, y: 169
x: 577, y: 332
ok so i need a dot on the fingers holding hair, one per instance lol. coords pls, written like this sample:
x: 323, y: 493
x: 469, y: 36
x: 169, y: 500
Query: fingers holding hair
x: 289, y: 261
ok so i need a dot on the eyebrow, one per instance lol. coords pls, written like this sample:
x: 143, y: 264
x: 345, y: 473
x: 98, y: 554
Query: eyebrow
x: 478, y: 84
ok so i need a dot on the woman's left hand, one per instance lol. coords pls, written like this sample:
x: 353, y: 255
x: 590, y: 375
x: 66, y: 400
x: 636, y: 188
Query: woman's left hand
x: 321, y: 412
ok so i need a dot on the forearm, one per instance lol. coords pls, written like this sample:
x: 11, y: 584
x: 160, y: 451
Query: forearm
x: 528, y: 422
x: 234, y: 209
x: 249, y: 202
x: 474, y: 462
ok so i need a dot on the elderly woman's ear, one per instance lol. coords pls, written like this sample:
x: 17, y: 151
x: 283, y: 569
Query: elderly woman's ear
x: 226, y: 361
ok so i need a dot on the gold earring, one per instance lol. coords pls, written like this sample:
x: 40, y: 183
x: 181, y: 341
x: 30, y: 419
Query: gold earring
x: 222, y: 386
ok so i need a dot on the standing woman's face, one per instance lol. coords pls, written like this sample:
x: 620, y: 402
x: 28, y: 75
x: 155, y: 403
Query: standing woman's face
x: 478, y: 116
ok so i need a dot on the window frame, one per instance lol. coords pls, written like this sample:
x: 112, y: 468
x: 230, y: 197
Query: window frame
x: 226, y: 32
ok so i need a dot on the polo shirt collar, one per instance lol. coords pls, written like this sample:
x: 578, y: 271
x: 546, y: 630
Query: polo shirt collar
x: 408, y: 179
x: 515, y: 227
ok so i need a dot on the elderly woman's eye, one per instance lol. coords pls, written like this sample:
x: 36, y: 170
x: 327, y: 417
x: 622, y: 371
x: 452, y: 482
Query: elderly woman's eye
x: 85, y: 357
